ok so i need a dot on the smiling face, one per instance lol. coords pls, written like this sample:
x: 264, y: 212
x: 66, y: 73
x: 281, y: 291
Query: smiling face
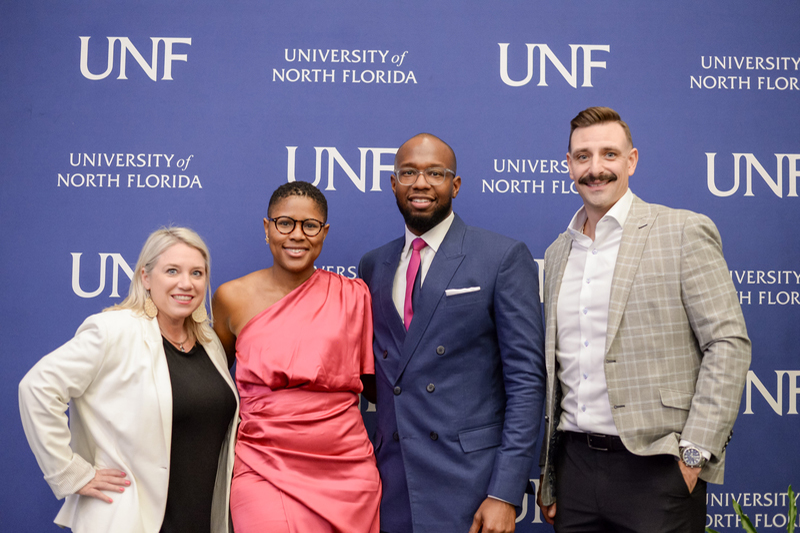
x: 424, y: 205
x: 601, y: 159
x: 296, y: 252
x: 177, y: 282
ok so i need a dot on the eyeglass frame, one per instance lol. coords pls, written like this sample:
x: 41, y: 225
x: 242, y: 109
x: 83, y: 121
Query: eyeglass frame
x: 294, y: 225
x: 423, y: 172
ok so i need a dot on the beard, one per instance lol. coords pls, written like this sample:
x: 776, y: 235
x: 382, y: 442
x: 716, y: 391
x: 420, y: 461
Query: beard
x: 605, y: 176
x: 424, y: 223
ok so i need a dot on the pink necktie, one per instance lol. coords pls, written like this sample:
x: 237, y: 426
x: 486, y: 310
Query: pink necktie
x: 411, y: 275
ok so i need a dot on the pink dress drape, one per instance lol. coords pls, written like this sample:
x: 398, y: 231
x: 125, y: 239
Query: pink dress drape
x: 304, y: 463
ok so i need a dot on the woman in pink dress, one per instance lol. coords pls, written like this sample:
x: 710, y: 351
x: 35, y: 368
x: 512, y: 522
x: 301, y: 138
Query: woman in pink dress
x: 302, y: 339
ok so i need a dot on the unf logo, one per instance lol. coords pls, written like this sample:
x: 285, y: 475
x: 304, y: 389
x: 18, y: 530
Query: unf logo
x: 774, y: 402
x: 126, y: 47
x: 370, y: 167
x: 751, y: 163
x: 545, y: 55
x: 117, y: 264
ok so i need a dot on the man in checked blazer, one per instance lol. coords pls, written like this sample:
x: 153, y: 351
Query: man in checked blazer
x: 646, y: 351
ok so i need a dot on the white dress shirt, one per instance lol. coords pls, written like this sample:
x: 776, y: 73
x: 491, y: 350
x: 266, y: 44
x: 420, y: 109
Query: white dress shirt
x: 433, y: 238
x: 582, y: 321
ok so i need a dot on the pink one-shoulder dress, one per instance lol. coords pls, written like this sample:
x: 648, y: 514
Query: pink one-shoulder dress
x: 304, y: 463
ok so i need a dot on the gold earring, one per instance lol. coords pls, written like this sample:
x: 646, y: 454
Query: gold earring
x: 200, y: 315
x: 267, y: 239
x: 150, y: 308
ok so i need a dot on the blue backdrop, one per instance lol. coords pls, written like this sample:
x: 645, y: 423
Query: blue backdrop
x: 120, y: 117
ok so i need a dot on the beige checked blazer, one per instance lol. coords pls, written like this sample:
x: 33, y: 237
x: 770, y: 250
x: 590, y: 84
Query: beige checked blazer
x: 677, y: 351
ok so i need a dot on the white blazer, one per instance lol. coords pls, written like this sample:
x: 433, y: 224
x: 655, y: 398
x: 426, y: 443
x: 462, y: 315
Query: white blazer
x: 113, y: 376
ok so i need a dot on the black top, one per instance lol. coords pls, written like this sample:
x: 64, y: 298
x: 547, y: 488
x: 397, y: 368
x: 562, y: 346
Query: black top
x: 202, y: 408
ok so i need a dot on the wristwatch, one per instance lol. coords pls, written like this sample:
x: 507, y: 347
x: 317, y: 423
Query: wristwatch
x: 692, y: 457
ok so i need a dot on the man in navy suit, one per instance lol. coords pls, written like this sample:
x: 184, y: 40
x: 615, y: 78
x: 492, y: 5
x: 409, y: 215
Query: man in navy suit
x: 459, y: 358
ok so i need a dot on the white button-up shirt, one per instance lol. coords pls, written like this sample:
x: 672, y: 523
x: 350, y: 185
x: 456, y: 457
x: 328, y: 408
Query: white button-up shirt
x: 582, y: 321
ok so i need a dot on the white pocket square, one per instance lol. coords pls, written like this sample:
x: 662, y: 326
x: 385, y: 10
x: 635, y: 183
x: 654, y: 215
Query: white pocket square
x: 454, y: 292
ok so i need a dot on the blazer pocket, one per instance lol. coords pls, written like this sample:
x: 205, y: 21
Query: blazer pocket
x: 465, y: 290
x: 463, y: 298
x: 646, y: 282
x: 676, y: 399
x: 479, y: 439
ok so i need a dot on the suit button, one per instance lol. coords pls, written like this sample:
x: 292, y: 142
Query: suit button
x: 440, y: 350
x: 385, y: 354
x: 434, y: 435
x: 397, y: 391
x: 431, y: 387
x: 395, y: 436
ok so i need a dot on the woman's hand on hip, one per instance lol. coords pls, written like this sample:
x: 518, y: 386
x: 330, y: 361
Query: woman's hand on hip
x: 105, y: 480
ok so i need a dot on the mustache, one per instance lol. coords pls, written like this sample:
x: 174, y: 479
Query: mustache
x: 605, y: 176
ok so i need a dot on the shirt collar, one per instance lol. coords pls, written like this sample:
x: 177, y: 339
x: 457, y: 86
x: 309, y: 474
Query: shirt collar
x: 433, y: 237
x: 618, y: 212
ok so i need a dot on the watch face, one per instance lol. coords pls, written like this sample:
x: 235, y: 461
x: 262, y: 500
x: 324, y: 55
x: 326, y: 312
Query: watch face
x: 691, y: 456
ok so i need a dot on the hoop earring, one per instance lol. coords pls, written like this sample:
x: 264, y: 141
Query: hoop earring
x: 200, y: 315
x: 150, y: 308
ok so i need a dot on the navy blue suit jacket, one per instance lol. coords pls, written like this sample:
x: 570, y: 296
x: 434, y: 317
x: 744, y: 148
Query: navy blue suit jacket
x: 459, y: 396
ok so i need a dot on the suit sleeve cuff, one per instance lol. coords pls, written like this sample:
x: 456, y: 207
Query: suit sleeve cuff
x: 706, y: 453
x: 73, y: 478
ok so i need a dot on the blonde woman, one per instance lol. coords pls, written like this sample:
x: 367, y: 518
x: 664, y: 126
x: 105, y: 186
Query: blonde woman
x: 153, y: 408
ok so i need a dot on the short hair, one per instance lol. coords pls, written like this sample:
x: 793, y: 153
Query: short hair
x: 432, y: 136
x: 300, y: 188
x: 156, y: 244
x: 597, y: 115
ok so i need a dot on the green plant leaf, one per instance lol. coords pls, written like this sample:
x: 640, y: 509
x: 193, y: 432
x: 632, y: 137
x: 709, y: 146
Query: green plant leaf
x: 709, y: 530
x: 747, y: 525
x: 792, y: 512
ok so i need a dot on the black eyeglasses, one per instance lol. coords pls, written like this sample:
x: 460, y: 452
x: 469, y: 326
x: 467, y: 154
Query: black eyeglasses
x: 285, y: 225
x: 433, y: 175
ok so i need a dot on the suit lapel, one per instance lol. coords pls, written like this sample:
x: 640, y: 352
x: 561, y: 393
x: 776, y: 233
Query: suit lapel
x: 385, y: 304
x: 553, y: 278
x: 556, y: 265
x: 634, y: 237
x: 444, y: 266
x: 155, y: 348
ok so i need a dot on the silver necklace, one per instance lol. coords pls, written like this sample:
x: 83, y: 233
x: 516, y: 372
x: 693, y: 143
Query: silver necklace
x: 179, y: 343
